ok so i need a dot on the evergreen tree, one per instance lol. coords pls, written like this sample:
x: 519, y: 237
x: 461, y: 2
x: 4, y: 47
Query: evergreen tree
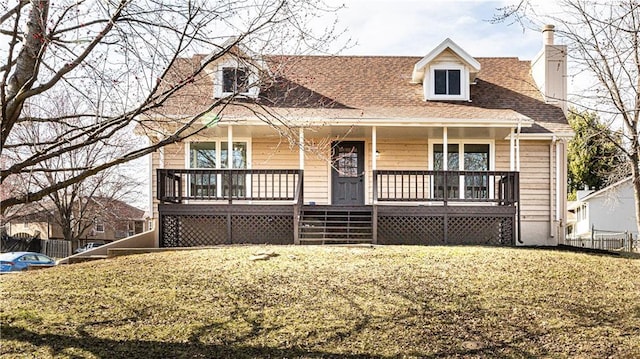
x: 594, y: 155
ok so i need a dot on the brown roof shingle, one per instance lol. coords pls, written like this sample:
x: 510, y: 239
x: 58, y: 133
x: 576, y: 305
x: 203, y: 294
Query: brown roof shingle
x: 379, y: 87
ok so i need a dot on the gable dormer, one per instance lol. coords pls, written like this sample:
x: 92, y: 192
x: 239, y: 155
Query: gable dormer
x: 446, y: 73
x: 235, y: 73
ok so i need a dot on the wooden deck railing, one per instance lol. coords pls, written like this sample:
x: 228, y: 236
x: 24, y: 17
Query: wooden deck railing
x: 501, y: 187
x: 176, y: 185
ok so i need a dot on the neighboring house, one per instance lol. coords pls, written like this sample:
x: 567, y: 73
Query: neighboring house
x: 112, y: 219
x: 611, y: 209
x: 440, y: 149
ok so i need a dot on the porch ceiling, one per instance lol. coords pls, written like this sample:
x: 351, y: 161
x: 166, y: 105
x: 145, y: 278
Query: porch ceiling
x: 247, y: 131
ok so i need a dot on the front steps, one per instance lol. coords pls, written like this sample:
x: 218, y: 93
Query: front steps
x: 335, y: 224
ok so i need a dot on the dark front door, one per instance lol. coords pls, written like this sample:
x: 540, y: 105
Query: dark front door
x: 347, y: 174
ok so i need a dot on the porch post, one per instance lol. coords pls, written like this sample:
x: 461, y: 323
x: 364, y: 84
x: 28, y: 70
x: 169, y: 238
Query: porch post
x: 374, y: 148
x: 229, y: 165
x: 518, y: 149
x: 230, y: 147
x: 445, y: 167
x: 445, y: 149
x: 301, y: 147
x: 374, y: 167
x: 511, y: 150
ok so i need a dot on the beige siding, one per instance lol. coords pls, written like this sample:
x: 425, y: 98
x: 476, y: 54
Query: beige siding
x: 268, y: 154
x: 273, y: 155
x: 400, y: 154
x: 535, y: 183
x: 174, y: 157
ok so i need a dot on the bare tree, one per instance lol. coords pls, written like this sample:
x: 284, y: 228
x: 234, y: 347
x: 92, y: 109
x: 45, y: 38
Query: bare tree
x: 76, y: 207
x: 108, y: 56
x: 604, y: 51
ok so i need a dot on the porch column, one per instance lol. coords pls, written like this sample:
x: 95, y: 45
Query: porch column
x: 230, y: 147
x: 301, y: 147
x: 512, y: 150
x: 230, y: 179
x: 445, y: 149
x: 374, y: 166
x: 518, y: 149
x: 374, y: 148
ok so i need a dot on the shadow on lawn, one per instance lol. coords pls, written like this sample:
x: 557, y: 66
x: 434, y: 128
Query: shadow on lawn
x: 107, y: 348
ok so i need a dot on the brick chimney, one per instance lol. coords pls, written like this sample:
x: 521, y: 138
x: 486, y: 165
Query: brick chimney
x: 549, y: 69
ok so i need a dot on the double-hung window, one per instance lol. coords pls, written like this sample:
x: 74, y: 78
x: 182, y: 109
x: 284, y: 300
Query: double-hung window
x: 468, y: 157
x: 215, y: 155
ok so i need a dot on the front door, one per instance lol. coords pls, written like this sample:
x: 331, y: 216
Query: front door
x: 347, y: 173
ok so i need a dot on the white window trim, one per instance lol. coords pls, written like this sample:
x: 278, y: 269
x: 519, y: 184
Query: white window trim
x: 429, y: 82
x: 95, y: 225
x: 461, y: 143
x: 252, y: 88
x: 219, y: 141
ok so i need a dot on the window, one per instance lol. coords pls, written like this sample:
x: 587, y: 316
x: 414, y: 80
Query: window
x: 447, y: 82
x: 463, y: 157
x: 98, y: 225
x: 203, y: 155
x: 206, y: 155
x: 346, y: 161
x: 235, y: 79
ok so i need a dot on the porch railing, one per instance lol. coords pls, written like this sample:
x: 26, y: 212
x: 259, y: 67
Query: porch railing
x: 501, y: 187
x: 177, y: 185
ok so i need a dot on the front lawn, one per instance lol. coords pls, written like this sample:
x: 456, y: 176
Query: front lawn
x: 316, y: 302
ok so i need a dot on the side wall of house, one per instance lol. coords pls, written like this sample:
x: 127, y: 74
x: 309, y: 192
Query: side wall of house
x: 614, y: 210
x: 171, y: 156
x: 538, y: 190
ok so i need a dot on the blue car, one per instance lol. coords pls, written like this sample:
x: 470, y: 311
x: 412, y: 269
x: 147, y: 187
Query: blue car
x: 21, y: 261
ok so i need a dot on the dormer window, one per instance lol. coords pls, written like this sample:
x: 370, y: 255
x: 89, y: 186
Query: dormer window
x: 235, y: 80
x: 447, y: 82
x: 446, y: 73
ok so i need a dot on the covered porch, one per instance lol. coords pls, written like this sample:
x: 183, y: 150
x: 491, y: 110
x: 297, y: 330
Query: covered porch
x: 407, y: 183
x: 267, y: 206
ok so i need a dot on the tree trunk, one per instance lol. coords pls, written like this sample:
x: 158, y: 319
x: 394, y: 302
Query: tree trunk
x: 26, y: 68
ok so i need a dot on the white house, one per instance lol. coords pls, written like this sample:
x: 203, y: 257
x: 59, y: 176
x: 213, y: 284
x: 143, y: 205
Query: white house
x: 609, y: 209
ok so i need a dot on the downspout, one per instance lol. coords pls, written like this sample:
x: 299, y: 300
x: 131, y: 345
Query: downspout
x: 558, y: 186
x: 518, y: 169
x: 551, y: 188
x: 512, y: 150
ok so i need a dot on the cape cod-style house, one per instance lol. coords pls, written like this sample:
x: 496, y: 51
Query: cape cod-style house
x: 440, y: 149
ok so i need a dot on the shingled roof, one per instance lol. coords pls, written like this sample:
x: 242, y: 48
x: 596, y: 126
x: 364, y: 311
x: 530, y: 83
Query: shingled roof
x: 377, y: 87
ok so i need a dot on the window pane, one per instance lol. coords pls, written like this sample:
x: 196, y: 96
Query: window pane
x: 235, y: 79
x: 228, y: 79
x: 239, y: 161
x: 347, y: 161
x: 242, y: 79
x: 203, y: 155
x: 239, y: 155
x: 440, y: 82
x: 476, y: 157
x: 454, y: 82
x: 453, y: 157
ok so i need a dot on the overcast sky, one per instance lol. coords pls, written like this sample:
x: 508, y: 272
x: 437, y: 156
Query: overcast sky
x: 414, y: 27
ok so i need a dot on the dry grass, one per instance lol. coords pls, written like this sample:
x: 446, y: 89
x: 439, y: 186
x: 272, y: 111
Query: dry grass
x: 328, y: 302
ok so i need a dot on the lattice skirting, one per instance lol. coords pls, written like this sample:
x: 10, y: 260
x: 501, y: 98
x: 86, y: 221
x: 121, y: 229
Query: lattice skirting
x: 440, y: 229
x: 192, y: 227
